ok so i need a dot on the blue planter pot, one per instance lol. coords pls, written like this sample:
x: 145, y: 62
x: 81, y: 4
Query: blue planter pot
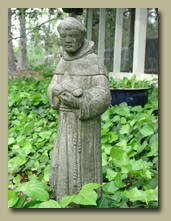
x: 132, y: 96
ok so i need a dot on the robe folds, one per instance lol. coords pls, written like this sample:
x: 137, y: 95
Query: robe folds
x: 76, y: 158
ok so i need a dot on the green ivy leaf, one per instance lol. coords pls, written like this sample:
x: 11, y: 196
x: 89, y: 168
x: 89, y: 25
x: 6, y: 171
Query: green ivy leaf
x: 11, y: 140
x: 28, y: 127
x: 147, y: 130
x: 122, y: 143
x: 116, y: 153
x: 137, y: 108
x: 20, y: 202
x: 148, y: 106
x: 35, y: 189
x: 118, y: 180
x: 124, y: 202
x: 142, y: 147
x: 49, y: 204
x: 102, y: 202
x: 15, y: 147
x: 154, y: 150
x: 104, y: 131
x: 117, y: 196
x: 45, y: 134
x: 109, y: 188
x: 133, y: 193
x: 153, y: 139
x: 17, y: 180
x: 23, y: 152
x: 90, y: 186
x: 142, y: 198
x: 123, y: 160
x: 66, y: 200
x: 131, y: 153
x: 105, y: 115
x: 106, y: 148
x: 146, y: 174
x: 12, y: 198
x: 107, y: 124
x: 132, y: 122
x: 153, y: 195
x: 123, y: 120
x: 154, y: 102
x: 105, y: 139
x: 155, y: 161
x: 113, y: 137
x: 20, y: 138
x: 111, y: 174
x: 24, y: 119
x: 104, y: 159
x: 10, y: 176
x: 145, y: 196
x: 123, y: 111
x: 36, y: 165
x: 46, y: 174
x: 15, y: 162
x: 32, y: 204
x: 27, y: 144
x: 44, y: 158
x: 136, y: 164
x: 126, y: 168
x: 86, y: 196
x: 153, y: 183
x: 143, y: 117
x: 116, y: 118
x: 11, y: 102
x: 125, y: 129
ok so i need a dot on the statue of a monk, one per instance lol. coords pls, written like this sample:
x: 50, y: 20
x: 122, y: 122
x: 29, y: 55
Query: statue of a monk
x: 80, y: 91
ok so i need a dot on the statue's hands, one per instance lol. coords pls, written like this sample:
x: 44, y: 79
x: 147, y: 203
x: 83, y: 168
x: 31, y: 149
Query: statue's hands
x: 69, y: 92
x: 57, y: 90
x: 69, y: 100
x: 71, y: 85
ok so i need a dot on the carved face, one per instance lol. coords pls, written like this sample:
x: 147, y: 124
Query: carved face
x: 71, y: 40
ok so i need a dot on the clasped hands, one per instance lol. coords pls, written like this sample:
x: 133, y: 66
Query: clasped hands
x: 69, y: 92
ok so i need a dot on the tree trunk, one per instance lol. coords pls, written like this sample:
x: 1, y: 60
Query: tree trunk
x: 11, y: 58
x: 22, y: 47
x: 47, y: 52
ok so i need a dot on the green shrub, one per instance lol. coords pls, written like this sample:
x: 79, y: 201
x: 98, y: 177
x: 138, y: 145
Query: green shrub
x: 129, y: 137
x: 130, y: 83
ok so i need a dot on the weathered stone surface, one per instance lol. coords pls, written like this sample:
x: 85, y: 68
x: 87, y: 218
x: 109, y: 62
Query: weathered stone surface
x: 80, y: 91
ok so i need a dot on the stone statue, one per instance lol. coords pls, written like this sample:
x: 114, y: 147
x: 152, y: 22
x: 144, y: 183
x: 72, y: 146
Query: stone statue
x: 80, y: 91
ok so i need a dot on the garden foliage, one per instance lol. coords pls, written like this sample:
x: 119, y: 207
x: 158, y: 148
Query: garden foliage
x: 131, y: 83
x: 129, y: 137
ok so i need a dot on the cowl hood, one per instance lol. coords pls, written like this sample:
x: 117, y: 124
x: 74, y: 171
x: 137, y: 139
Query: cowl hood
x: 87, y: 48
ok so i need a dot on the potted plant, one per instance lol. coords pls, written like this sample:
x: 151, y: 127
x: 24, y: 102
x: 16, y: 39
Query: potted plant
x: 133, y: 92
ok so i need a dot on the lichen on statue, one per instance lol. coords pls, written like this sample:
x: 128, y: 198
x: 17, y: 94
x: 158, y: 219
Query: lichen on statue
x: 80, y: 91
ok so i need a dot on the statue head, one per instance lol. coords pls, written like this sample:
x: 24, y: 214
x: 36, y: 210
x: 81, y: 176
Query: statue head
x: 72, y: 34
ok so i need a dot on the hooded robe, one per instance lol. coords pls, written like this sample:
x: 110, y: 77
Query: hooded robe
x: 76, y: 158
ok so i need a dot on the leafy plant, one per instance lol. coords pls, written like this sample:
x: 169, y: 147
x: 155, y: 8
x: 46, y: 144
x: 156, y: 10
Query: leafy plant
x: 129, y: 138
x: 130, y: 83
x: 40, y: 193
x: 32, y: 127
x: 130, y: 155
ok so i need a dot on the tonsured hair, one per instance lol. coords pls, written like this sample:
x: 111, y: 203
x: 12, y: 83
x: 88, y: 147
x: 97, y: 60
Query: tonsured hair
x: 71, y: 23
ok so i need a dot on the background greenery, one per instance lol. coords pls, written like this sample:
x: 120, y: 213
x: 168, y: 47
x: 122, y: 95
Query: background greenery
x: 129, y: 137
x: 44, y: 39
